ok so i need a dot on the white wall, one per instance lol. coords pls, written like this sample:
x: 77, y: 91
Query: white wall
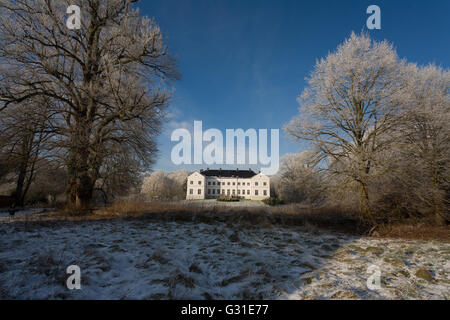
x: 214, y: 186
x: 261, y: 185
x: 195, y: 186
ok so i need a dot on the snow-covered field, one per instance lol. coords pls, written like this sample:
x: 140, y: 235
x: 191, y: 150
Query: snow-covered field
x: 138, y: 259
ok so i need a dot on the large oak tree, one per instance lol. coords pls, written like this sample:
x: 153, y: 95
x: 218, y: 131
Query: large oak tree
x: 107, y: 81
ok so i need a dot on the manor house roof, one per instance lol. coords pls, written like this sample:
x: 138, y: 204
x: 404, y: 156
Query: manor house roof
x: 228, y: 173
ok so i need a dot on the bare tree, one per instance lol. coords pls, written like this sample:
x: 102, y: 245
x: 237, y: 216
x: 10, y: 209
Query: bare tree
x: 353, y: 97
x: 165, y: 186
x: 107, y: 80
x: 120, y: 175
x: 158, y: 186
x: 420, y: 160
x: 26, y: 140
x: 180, y: 178
x: 48, y: 184
x: 299, y: 181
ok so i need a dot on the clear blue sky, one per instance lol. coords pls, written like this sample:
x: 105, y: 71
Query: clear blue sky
x: 244, y: 61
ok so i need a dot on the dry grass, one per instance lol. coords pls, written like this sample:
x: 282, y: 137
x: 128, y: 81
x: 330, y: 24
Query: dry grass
x: 265, y: 216
x: 245, y: 217
x: 238, y: 278
x: 333, y: 219
x: 414, y: 232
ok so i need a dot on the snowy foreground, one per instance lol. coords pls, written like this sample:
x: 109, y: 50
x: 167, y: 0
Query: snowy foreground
x: 138, y: 259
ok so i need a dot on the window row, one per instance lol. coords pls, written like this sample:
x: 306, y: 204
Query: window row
x: 231, y: 192
x: 228, y: 183
x: 232, y: 183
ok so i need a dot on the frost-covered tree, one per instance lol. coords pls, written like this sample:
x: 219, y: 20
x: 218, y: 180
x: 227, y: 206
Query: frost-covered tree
x: 419, y: 162
x: 163, y: 186
x: 352, y: 100
x: 107, y: 81
x: 298, y: 180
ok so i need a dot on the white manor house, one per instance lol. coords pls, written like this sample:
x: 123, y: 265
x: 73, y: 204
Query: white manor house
x: 210, y: 184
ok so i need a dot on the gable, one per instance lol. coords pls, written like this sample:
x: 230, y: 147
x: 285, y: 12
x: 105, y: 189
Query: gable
x: 195, y: 176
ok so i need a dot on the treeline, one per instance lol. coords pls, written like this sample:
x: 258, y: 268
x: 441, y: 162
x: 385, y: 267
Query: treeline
x: 379, y: 135
x: 164, y: 186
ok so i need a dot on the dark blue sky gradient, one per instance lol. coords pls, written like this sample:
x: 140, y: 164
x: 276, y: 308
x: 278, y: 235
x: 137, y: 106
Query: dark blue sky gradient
x: 244, y: 61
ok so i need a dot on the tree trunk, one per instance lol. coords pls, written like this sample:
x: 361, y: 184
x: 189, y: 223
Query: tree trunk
x: 364, y: 200
x: 437, y: 208
x: 79, y: 189
x: 437, y: 198
x: 364, y: 195
x: 363, y: 181
x: 19, y: 193
x: 80, y: 184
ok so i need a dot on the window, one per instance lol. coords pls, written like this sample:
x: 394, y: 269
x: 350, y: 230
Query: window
x: 191, y: 191
x: 256, y: 192
x: 265, y: 192
x: 228, y: 183
x: 265, y: 183
x: 256, y: 183
x: 213, y: 191
x: 192, y: 182
x: 199, y: 182
x: 239, y: 191
x: 209, y: 191
x: 239, y: 183
x: 248, y: 183
x: 214, y: 183
x: 248, y: 192
x: 199, y: 191
x: 218, y: 191
x: 234, y: 191
x: 223, y: 191
x: 228, y: 192
x: 234, y: 183
x: 209, y: 183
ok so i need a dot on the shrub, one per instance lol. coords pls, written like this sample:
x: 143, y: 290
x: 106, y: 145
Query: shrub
x: 273, y: 201
x: 228, y: 199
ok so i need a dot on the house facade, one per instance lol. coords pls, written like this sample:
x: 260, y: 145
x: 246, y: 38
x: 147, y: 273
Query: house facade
x: 210, y: 184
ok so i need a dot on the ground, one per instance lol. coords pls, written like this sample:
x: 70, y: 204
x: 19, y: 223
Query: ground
x: 5, y: 217
x: 213, y: 202
x: 142, y: 259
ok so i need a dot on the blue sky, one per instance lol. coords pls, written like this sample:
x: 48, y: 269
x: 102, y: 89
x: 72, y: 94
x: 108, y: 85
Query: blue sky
x: 244, y: 61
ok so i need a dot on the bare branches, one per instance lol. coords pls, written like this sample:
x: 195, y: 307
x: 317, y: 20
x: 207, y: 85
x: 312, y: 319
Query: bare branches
x: 423, y: 142
x: 381, y: 125
x: 107, y: 81
x: 352, y: 100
